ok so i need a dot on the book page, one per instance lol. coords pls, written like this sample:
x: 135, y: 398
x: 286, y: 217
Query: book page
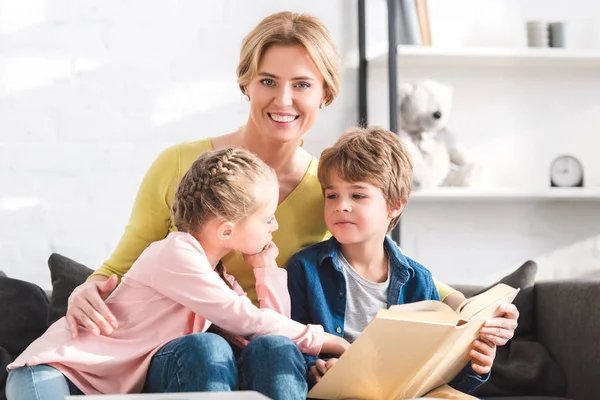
x: 475, y: 304
x: 446, y: 392
x: 428, y: 310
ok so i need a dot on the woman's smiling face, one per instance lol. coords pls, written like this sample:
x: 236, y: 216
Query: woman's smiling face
x: 286, y: 94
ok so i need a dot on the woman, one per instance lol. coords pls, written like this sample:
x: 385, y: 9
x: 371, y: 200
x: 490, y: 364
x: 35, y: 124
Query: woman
x: 289, y: 70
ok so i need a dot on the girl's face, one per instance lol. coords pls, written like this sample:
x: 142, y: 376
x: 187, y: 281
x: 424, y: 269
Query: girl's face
x: 286, y: 94
x: 253, y: 233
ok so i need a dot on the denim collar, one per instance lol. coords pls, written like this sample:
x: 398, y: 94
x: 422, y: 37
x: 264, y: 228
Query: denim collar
x: 398, y: 261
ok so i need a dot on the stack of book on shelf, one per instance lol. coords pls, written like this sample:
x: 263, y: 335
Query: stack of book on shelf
x: 414, y: 23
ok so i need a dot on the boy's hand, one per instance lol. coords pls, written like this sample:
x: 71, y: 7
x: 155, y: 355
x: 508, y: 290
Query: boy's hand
x: 482, y: 356
x: 317, y: 371
x: 501, y: 329
x: 263, y: 259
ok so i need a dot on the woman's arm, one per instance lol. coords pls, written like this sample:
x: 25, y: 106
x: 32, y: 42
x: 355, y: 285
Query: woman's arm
x: 448, y: 294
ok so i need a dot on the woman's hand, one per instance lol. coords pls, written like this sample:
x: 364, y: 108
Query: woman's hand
x: 86, y: 307
x: 263, y: 259
x: 501, y: 329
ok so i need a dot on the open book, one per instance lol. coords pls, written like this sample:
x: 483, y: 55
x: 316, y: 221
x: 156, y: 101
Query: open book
x: 410, y: 349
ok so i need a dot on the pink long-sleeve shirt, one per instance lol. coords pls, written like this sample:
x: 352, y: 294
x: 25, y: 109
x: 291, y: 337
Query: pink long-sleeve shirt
x: 169, y: 292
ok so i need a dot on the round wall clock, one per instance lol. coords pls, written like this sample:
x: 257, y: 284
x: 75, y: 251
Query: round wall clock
x: 566, y: 171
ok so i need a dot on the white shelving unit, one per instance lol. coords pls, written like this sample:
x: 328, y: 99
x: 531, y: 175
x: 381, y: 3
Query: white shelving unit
x: 517, y: 109
x: 425, y: 56
x: 455, y: 194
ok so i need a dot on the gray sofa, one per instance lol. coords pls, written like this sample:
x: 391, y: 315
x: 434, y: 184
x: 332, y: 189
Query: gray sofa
x: 566, y: 322
x: 555, y: 353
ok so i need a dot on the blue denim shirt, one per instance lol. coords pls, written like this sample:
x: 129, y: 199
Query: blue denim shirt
x: 317, y: 287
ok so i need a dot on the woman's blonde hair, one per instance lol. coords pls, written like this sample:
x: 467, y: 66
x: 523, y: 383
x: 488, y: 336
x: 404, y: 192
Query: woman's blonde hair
x: 221, y: 184
x: 374, y: 155
x: 287, y: 28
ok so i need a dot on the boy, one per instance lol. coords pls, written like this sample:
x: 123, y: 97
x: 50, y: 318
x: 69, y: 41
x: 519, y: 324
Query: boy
x: 342, y: 282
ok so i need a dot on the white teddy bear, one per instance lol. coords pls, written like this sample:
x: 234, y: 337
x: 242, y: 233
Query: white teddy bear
x: 439, y: 160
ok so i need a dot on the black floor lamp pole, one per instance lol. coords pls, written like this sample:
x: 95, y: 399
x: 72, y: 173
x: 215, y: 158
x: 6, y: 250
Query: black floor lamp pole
x: 393, y: 14
x: 362, y: 65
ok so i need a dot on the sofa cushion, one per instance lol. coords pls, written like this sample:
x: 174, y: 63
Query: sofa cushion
x: 568, y: 323
x: 22, y: 320
x: 5, y: 359
x: 22, y: 315
x: 2, y: 273
x: 66, y: 275
x: 524, y: 367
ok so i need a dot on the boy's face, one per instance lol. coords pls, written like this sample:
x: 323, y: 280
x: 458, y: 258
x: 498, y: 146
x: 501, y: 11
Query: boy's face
x: 356, y: 212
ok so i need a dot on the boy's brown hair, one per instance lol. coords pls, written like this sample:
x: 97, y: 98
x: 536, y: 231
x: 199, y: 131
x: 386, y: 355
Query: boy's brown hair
x: 374, y: 155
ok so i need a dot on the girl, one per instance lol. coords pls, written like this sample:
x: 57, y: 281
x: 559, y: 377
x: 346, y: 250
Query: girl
x: 225, y: 202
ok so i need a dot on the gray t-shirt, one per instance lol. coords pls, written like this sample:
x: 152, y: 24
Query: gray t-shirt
x: 363, y: 299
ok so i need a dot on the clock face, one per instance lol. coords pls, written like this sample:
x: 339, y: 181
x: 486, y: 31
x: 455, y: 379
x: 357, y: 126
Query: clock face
x: 566, y: 171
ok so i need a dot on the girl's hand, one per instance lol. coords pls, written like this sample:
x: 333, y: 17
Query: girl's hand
x: 264, y: 259
x: 316, y: 372
x: 334, y: 344
x: 482, y: 356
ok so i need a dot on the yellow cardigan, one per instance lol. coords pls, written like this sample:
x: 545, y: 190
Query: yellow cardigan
x: 300, y: 217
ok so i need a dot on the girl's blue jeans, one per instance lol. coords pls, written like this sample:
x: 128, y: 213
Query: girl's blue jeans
x: 201, y: 362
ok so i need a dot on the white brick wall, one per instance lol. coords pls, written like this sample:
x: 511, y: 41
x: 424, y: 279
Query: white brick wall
x: 91, y: 91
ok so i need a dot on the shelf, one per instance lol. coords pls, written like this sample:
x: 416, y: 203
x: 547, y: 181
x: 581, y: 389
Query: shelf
x: 423, y: 56
x: 454, y: 194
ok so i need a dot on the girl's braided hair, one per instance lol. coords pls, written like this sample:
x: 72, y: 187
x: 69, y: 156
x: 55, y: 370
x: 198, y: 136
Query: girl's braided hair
x: 219, y: 184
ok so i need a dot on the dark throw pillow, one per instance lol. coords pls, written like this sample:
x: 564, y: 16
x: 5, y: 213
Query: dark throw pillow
x: 524, y: 279
x: 66, y: 275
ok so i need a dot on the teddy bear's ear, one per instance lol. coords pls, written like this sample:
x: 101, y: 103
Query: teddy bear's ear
x: 404, y: 89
